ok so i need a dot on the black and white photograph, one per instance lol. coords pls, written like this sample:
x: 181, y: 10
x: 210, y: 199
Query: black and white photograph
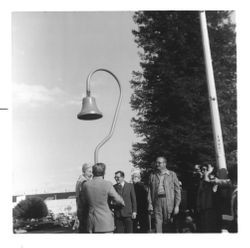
x: 123, y: 122
x: 173, y: 155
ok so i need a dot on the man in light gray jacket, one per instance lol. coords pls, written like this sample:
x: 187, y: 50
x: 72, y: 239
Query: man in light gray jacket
x: 94, y: 198
x: 164, y: 195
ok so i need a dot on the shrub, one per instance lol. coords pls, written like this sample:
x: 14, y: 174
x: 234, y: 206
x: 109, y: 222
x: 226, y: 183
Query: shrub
x: 33, y: 207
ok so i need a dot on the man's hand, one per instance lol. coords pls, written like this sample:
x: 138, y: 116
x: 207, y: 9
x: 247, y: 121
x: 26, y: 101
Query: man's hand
x: 150, y: 207
x: 134, y: 215
x: 176, y: 210
x: 123, y: 203
x: 151, y: 212
x: 76, y: 224
x: 215, y: 180
x: 210, y: 169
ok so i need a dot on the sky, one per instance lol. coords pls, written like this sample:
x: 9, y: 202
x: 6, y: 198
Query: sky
x: 52, y: 55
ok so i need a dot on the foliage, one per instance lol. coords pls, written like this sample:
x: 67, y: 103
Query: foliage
x: 170, y: 92
x: 33, y: 207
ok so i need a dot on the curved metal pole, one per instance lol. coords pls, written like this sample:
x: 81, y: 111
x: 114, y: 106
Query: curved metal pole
x: 88, y: 92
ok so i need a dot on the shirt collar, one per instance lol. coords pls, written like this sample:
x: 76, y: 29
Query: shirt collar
x: 164, y: 172
x: 122, y: 184
x: 82, y: 178
x: 98, y: 177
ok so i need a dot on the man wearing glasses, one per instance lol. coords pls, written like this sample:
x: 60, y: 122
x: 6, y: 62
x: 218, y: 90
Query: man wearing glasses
x: 125, y: 214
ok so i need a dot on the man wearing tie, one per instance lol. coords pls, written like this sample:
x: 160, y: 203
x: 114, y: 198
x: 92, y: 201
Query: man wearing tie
x: 125, y: 214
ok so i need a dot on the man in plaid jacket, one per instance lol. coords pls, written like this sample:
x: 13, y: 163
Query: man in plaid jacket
x: 164, y: 195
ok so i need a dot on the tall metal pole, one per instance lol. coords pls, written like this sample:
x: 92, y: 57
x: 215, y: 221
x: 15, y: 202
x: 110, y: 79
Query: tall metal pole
x: 116, y: 110
x: 215, y: 116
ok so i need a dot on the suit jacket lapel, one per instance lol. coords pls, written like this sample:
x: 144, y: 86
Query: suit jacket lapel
x: 118, y: 188
x: 123, y: 188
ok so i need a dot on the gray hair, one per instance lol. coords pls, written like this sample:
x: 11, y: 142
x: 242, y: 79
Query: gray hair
x: 85, y: 166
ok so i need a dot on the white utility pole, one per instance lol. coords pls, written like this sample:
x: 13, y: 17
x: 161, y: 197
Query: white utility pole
x: 215, y: 115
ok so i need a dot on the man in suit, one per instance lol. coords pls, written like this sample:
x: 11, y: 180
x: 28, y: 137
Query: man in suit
x: 164, y: 195
x: 125, y: 214
x: 94, y: 197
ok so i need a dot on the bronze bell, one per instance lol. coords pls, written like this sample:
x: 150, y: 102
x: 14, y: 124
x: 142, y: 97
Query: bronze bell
x: 89, y: 109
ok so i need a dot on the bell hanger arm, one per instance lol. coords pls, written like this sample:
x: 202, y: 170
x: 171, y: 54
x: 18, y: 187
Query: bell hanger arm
x: 88, y: 92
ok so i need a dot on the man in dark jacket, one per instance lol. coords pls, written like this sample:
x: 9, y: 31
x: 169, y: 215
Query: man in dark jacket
x: 86, y: 176
x: 124, y: 215
x: 141, y: 222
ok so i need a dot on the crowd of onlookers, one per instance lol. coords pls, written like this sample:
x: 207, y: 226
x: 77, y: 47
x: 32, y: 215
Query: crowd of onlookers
x: 214, y: 199
x: 157, y: 205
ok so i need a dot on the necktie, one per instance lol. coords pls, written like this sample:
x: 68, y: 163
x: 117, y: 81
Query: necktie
x: 120, y: 188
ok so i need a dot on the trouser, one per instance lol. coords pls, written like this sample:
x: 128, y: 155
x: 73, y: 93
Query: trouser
x: 140, y: 224
x: 124, y: 225
x: 209, y: 221
x: 163, y: 222
x: 82, y: 226
x: 82, y: 218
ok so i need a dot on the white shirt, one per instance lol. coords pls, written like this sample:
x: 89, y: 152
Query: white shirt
x: 122, y: 183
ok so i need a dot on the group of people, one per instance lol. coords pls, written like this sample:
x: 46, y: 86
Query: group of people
x: 126, y: 207
x: 212, y: 198
x: 134, y: 207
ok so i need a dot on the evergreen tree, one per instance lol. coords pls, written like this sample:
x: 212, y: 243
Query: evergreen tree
x: 170, y: 92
